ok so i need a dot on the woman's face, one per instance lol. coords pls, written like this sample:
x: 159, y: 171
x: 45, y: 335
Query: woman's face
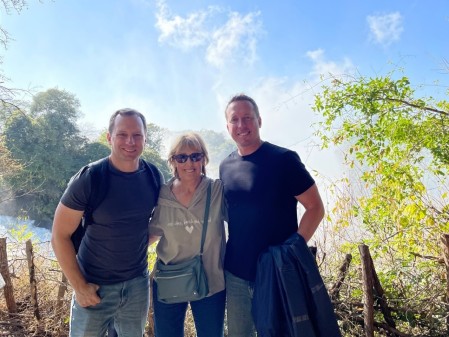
x: 189, y: 163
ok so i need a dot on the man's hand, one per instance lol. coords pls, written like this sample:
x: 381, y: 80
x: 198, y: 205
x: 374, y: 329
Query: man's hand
x: 87, y: 296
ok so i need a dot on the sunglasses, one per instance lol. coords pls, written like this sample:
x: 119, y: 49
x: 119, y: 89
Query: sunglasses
x: 194, y: 157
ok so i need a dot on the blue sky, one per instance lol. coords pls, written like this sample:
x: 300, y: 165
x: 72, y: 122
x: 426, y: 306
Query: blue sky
x: 179, y: 61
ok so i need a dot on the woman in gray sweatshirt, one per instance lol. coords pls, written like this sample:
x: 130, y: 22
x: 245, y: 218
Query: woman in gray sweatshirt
x: 177, y: 224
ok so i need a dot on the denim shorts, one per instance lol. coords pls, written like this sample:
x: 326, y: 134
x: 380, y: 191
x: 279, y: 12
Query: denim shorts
x: 124, y: 303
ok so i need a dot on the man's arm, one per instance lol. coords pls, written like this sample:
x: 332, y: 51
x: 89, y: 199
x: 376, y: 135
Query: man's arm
x: 65, y: 222
x: 314, y: 212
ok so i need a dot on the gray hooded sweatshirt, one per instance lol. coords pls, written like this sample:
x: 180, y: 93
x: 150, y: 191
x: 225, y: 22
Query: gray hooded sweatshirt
x: 180, y: 230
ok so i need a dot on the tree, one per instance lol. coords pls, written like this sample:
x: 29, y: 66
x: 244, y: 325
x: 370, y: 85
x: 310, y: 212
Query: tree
x: 155, y: 158
x: 8, y: 166
x: 397, y: 144
x: 219, y: 145
x: 154, y: 147
x: 47, y: 142
x: 401, y: 144
x: 93, y: 151
x: 155, y: 137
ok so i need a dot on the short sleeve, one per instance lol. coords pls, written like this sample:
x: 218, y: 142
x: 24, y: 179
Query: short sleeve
x: 78, y: 189
x: 297, y: 178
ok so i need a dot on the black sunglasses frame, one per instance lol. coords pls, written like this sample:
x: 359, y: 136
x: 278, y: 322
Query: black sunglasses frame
x: 182, y: 157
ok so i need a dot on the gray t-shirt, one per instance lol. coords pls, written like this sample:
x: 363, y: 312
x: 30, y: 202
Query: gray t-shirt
x: 180, y: 229
x: 114, y: 248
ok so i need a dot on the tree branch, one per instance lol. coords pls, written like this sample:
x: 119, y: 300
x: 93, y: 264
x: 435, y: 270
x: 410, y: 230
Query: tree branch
x: 441, y: 112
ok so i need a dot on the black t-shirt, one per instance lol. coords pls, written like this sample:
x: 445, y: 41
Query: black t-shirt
x: 114, y: 248
x: 260, y: 191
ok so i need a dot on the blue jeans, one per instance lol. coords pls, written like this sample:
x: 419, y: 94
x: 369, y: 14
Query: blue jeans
x: 239, y: 295
x: 124, y: 303
x: 208, y: 315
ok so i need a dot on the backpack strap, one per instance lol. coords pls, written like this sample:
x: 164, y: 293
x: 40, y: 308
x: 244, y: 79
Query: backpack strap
x: 98, y: 176
x: 157, y: 179
x: 99, y: 183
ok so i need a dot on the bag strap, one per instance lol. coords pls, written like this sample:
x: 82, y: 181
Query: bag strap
x: 156, y: 177
x: 206, y: 217
x: 99, y: 177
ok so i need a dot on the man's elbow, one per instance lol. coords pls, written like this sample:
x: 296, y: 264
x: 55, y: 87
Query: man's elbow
x: 59, y: 234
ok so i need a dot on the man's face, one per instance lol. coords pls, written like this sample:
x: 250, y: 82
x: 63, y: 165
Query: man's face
x: 243, y: 126
x: 127, y: 139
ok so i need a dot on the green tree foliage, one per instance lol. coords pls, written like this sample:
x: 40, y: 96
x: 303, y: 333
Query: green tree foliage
x: 218, y: 144
x: 154, y: 157
x: 155, y: 137
x: 93, y: 151
x: 48, y: 143
x: 8, y: 167
x: 155, y: 147
x: 397, y: 144
x: 401, y: 144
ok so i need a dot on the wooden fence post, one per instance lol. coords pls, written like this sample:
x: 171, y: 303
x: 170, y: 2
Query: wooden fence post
x: 445, y: 242
x: 381, y: 298
x: 33, y: 283
x: 368, y: 297
x: 335, y: 289
x: 62, y: 289
x: 8, y: 289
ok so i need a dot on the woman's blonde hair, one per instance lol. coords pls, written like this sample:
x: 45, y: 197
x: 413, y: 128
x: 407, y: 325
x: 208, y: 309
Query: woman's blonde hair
x: 187, y: 140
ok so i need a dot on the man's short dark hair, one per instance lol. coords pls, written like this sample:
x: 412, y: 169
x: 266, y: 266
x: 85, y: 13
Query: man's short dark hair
x: 243, y: 97
x: 126, y: 112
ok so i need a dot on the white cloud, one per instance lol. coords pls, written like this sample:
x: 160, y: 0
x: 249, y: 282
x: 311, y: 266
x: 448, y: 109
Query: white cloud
x: 385, y: 29
x: 182, y: 32
x: 237, y: 38
x: 226, y: 37
x: 323, y: 67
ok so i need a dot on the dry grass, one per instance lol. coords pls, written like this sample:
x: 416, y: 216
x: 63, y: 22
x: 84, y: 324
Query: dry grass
x: 54, y: 316
x: 45, y: 319
x: 421, y: 319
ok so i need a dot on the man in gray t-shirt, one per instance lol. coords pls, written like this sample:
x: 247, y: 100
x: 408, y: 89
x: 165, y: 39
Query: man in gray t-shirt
x: 109, y: 275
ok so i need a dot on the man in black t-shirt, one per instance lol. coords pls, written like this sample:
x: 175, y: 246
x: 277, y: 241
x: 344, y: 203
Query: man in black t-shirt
x: 109, y: 275
x: 263, y: 184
